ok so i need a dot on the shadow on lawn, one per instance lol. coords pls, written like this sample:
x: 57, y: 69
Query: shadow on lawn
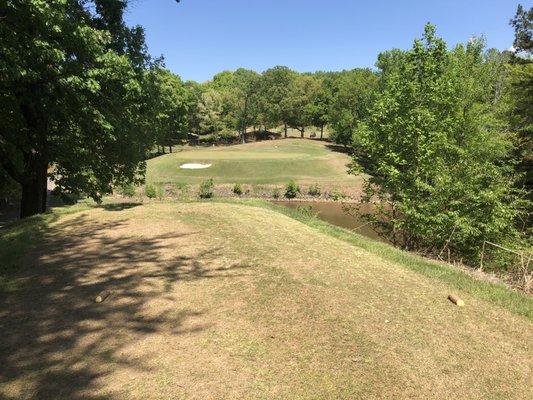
x: 120, y: 206
x: 58, y: 343
x: 339, y: 148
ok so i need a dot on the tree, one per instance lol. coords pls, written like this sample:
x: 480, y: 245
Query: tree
x: 521, y: 94
x: 170, y: 105
x: 523, y: 26
x: 319, y: 107
x: 194, y: 95
x: 440, y: 155
x: 298, y: 105
x: 71, y: 74
x: 245, y: 98
x: 239, y: 92
x: 210, y: 112
x: 354, y: 93
x: 275, y: 88
x: 223, y: 84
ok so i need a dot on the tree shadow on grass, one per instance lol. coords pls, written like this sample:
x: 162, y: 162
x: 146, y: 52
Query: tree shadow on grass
x: 339, y: 148
x: 120, y: 206
x: 57, y: 342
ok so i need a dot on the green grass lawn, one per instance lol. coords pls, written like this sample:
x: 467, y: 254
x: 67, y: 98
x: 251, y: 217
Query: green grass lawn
x: 244, y: 300
x: 267, y: 162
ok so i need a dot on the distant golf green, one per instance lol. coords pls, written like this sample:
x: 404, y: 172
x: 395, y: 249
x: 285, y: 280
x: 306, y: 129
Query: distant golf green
x: 268, y: 162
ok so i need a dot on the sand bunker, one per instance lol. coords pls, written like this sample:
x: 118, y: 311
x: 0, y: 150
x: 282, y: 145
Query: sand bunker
x: 194, y: 166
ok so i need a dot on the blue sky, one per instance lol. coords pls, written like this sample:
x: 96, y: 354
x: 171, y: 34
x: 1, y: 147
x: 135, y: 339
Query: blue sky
x: 202, y: 37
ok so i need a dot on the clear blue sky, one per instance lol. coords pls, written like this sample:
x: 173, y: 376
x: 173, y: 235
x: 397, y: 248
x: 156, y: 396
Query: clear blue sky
x: 202, y: 37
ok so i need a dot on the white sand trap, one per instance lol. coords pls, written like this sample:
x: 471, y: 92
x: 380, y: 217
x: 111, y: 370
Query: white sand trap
x: 194, y: 166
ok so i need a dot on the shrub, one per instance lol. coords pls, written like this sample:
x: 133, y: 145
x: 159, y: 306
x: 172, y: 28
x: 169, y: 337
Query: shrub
x: 314, y: 190
x: 292, y: 190
x: 127, y: 190
x: 206, y: 189
x: 150, y: 191
x: 227, y: 136
x: 276, y: 193
x: 337, y: 194
x: 237, y: 189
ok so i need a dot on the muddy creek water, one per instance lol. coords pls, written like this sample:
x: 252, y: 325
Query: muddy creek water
x: 335, y: 214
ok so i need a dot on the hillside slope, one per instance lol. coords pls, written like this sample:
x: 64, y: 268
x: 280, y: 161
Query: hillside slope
x: 212, y: 300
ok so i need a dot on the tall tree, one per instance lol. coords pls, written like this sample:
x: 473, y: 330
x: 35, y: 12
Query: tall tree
x: 194, y: 95
x: 171, y: 104
x: 298, y: 106
x: 71, y: 74
x: 523, y: 26
x: 354, y: 93
x: 521, y: 93
x: 210, y: 112
x: 440, y: 153
x: 275, y: 88
x: 245, y: 99
x: 319, y: 107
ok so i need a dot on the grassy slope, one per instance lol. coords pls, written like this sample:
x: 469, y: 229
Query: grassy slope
x: 215, y: 300
x: 497, y: 294
x: 266, y: 162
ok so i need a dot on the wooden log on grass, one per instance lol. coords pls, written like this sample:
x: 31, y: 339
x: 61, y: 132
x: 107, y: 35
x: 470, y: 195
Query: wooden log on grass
x: 456, y: 300
x: 104, y: 294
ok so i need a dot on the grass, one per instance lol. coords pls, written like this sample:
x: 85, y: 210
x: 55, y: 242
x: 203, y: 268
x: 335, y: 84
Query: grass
x: 239, y: 300
x: 18, y: 238
x: 514, y: 301
x: 267, y: 162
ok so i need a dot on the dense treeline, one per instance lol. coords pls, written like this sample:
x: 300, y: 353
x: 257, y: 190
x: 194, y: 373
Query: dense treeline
x: 233, y: 102
x: 225, y: 108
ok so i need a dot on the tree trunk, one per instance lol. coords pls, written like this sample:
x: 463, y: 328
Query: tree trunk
x: 33, y: 200
x: 285, y: 131
x: 245, y: 119
x: 33, y: 179
x: 44, y: 188
x: 302, y: 132
x: 170, y: 147
x: 321, y: 131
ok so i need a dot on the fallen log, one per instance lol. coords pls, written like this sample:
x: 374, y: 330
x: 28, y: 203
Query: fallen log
x: 104, y: 294
x: 456, y: 300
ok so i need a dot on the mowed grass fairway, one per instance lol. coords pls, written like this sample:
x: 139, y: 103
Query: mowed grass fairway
x: 266, y: 162
x: 223, y: 301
